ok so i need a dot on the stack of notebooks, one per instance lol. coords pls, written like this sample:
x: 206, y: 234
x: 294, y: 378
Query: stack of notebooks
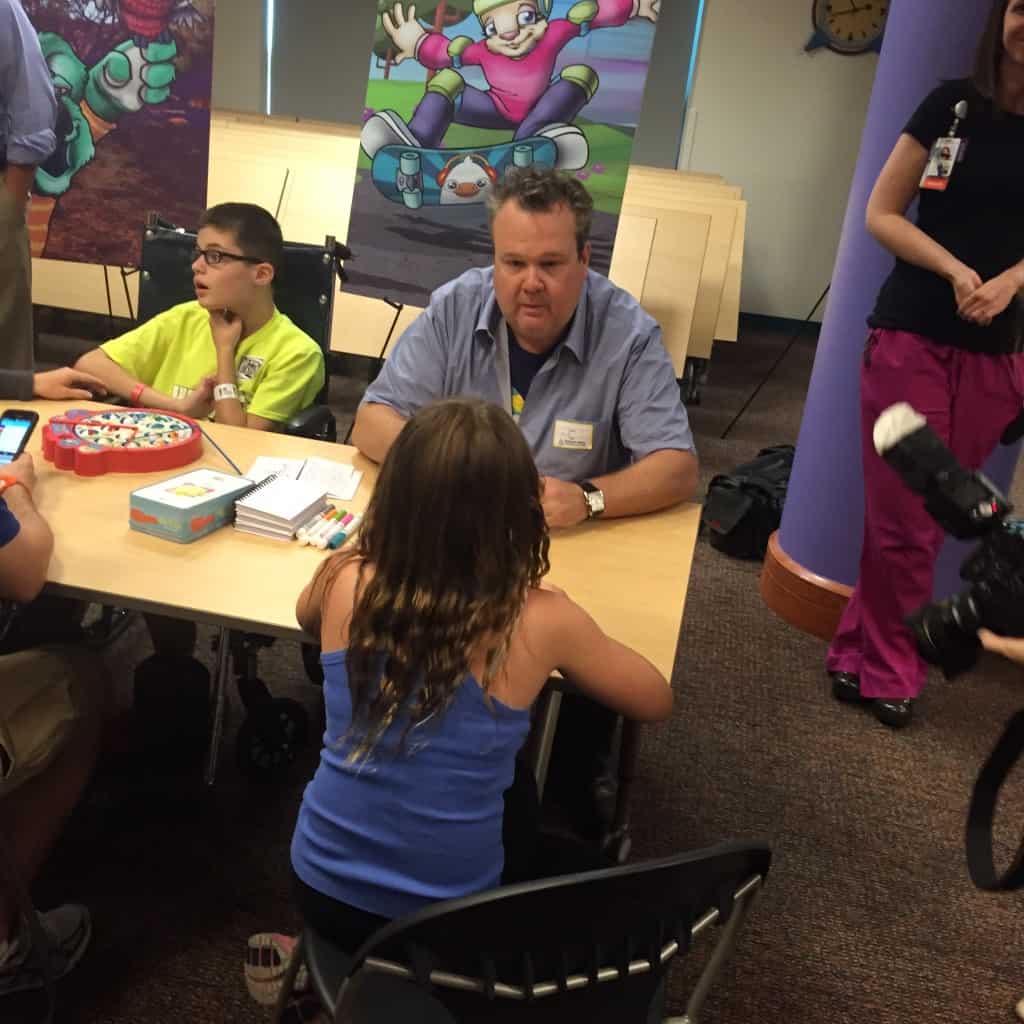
x: 278, y: 506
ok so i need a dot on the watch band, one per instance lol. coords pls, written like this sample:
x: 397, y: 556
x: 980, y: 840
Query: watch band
x: 222, y: 391
x: 136, y: 393
x: 594, y: 497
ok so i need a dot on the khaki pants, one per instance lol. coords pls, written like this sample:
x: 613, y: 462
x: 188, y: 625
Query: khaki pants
x: 44, y: 693
x: 16, y: 338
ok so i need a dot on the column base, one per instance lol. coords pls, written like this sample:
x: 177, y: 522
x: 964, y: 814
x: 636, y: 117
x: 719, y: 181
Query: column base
x: 804, y: 599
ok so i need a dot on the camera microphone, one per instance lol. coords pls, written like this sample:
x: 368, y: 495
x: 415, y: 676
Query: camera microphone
x: 964, y: 504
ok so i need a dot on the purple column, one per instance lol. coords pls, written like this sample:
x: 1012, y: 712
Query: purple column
x: 822, y: 526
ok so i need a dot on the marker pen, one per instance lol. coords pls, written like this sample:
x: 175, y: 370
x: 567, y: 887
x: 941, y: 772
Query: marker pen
x: 339, y: 526
x: 339, y: 538
x: 325, y: 526
x: 302, y: 533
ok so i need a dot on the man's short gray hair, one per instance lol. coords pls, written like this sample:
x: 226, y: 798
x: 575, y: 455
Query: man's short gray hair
x: 539, y: 189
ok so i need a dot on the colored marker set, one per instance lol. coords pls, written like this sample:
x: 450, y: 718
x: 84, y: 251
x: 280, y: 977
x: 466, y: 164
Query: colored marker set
x: 330, y: 529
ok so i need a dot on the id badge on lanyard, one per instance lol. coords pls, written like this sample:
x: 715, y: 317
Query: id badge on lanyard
x: 945, y: 154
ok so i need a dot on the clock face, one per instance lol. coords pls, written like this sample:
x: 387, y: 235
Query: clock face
x: 850, y: 26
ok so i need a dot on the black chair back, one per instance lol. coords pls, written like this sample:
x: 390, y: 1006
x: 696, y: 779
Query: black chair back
x: 593, y: 946
x: 303, y: 290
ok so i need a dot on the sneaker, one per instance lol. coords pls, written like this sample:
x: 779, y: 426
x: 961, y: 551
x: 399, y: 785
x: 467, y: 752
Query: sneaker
x: 267, y: 956
x: 571, y: 146
x: 386, y: 128
x: 69, y: 929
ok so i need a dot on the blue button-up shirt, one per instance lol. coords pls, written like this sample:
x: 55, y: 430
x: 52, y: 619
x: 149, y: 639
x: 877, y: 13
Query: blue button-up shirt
x: 28, y: 107
x: 606, y: 397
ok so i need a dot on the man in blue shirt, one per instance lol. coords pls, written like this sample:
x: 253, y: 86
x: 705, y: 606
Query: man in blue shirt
x: 582, y: 368
x: 571, y: 356
x: 49, y: 729
x: 28, y: 115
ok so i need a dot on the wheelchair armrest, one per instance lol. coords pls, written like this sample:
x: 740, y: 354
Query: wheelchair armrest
x: 315, y: 422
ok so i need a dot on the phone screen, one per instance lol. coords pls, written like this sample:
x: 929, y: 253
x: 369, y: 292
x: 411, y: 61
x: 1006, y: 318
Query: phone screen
x: 14, y: 432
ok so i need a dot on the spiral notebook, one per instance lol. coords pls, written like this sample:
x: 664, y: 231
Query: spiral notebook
x: 338, y: 479
x: 278, y: 506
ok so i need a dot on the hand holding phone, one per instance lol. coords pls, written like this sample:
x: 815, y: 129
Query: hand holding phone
x: 22, y: 469
x: 16, y: 426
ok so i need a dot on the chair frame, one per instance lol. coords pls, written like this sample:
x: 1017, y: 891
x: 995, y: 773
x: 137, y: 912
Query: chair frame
x: 742, y: 902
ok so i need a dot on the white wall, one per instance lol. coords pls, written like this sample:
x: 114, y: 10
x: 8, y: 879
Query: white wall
x: 786, y: 126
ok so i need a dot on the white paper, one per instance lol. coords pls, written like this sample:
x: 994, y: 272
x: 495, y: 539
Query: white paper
x: 338, y: 479
x: 265, y: 466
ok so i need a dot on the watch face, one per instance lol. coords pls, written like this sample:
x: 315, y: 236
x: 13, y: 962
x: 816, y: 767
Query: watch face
x: 851, y: 26
x: 595, y: 500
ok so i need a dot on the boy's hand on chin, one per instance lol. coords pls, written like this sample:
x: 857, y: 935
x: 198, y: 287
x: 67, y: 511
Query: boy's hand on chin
x: 226, y: 328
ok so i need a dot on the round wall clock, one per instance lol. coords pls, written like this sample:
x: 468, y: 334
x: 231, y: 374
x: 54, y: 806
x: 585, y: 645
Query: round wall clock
x: 848, y: 26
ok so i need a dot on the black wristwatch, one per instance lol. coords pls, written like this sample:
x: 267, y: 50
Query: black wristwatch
x: 594, y: 497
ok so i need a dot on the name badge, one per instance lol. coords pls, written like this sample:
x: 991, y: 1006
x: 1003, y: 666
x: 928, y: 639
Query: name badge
x: 942, y: 161
x: 574, y: 436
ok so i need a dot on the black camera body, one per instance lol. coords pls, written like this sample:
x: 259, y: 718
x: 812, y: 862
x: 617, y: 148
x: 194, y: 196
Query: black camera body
x: 968, y: 506
x: 946, y: 631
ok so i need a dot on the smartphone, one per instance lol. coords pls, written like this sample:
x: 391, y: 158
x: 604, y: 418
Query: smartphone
x: 16, y: 426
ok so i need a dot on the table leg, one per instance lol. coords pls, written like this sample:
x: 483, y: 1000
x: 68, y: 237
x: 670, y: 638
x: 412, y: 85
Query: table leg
x: 220, y: 696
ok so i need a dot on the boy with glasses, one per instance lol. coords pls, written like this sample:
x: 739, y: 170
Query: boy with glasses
x: 231, y: 353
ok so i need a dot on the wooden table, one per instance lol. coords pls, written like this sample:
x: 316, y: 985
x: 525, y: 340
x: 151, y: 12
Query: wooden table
x: 630, y: 574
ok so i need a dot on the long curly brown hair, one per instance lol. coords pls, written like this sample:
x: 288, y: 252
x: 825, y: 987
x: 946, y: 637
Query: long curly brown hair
x: 455, y: 534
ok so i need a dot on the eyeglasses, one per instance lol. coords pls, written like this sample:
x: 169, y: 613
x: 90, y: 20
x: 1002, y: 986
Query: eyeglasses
x: 215, y: 257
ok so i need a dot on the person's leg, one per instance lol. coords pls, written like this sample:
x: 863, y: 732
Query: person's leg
x: 988, y: 395
x: 39, y: 791
x: 268, y: 954
x: 562, y: 100
x: 346, y: 926
x: 902, y: 541
x: 171, y: 637
x: 846, y: 651
x: 16, y: 338
x: 581, y: 777
x: 33, y: 808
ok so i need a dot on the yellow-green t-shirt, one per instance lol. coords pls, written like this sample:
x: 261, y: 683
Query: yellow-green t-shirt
x: 279, y: 369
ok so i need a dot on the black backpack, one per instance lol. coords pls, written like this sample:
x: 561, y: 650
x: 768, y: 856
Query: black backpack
x: 744, y: 508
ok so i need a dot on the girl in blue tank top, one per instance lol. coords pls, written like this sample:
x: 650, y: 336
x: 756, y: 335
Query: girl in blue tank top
x: 438, y: 633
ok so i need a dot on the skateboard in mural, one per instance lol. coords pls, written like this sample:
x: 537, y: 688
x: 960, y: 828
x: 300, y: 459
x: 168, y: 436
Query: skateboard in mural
x: 418, y: 177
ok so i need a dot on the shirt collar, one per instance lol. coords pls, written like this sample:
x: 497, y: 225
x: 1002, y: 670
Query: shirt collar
x: 575, y: 341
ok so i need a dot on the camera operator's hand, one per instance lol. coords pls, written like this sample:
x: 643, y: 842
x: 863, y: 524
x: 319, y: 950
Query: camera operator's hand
x: 1011, y: 647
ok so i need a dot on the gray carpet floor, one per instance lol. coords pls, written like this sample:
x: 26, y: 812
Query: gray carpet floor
x: 869, y: 914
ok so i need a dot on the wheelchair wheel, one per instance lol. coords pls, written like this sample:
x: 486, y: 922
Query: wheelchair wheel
x: 311, y: 663
x: 270, y: 738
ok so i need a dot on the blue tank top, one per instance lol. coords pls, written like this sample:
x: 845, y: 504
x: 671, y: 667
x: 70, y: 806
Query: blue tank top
x: 398, y: 831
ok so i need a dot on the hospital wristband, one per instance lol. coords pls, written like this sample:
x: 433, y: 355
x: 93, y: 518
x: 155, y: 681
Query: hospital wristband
x: 222, y: 391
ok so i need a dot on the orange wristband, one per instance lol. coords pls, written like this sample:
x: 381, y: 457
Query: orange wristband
x: 136, y: 393
x: 10, y: 481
